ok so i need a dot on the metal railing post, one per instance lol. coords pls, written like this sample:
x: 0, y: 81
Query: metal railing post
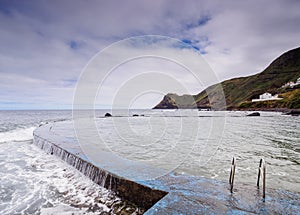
x: 258, y: 177
x: 232, y: 172
x: 264, y: 180
x: 262, y: 174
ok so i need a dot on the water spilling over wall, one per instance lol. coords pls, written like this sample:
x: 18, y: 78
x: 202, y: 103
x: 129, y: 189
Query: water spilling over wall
x: 141, y: 195
x: 171, y: 193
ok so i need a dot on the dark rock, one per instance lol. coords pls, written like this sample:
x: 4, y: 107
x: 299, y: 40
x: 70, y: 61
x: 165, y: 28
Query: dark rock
x: 167, y: 103
x: 174, y: 101
x: 293, y: 113
x: 254, y: 114
x: 107, y: 115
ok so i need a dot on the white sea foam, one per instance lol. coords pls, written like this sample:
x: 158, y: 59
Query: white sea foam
x: 33, y: 182
x: 20, y: 134
x: 64, y: 209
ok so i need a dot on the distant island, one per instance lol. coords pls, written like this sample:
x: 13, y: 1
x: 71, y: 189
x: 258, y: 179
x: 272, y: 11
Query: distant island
x: 275, y: 88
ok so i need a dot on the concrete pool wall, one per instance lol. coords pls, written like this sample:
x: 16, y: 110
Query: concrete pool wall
x: 171, y: 193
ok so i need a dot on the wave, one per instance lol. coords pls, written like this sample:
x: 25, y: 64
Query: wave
x: 20, y: 134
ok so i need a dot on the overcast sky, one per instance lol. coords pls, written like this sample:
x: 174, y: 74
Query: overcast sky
x: 44, y: 45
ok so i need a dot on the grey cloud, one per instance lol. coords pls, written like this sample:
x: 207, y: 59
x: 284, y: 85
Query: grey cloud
x: 45, y: 44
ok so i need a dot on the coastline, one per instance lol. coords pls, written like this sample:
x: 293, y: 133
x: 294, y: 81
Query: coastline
x: 282, y: 110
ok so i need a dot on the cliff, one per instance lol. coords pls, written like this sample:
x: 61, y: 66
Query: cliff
x: 239, y: 92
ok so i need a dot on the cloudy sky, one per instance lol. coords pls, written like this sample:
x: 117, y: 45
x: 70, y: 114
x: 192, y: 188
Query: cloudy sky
x: 45, y: 45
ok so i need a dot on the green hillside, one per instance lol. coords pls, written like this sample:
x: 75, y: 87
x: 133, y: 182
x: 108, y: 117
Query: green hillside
x: 239, y: 91
x: 290, y: 99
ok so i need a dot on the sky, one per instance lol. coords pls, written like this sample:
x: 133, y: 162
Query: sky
x: 46, y: 45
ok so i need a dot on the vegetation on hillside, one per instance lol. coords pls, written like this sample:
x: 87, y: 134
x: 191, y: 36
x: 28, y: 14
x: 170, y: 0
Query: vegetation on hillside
x: 290, y: 100
x: 239, y: 92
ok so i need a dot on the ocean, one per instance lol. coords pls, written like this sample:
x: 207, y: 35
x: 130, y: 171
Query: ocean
x: 33, y: 182
x: 190, y: 142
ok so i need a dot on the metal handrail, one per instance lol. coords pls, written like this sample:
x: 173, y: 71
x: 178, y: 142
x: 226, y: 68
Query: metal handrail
x: 232, y: 172
x: 262, y: 174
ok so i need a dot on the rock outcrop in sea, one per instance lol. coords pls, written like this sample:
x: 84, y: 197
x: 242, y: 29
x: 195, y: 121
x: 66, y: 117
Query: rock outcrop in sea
x: 254, y: 114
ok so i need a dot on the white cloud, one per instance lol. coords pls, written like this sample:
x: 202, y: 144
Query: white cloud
x: 36, y: 39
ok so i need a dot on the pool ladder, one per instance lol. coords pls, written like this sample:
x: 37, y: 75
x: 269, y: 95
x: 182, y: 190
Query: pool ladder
x: 261, y: 174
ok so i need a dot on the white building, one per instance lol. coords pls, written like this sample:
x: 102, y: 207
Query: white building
x: 291, y: 84
x: 266, y: 97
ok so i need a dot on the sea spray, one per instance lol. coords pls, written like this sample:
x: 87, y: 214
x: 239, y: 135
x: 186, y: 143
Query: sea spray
x: 95, y: 174
x: 100, y: 177
x: 18, y: 134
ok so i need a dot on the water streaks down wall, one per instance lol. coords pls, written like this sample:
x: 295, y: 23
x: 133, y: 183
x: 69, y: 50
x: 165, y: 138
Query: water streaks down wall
x: 139, y: 194
x: 171, y: 193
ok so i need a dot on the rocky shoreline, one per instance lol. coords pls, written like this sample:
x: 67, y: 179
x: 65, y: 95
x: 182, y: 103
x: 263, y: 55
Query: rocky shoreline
x: 283, y: 110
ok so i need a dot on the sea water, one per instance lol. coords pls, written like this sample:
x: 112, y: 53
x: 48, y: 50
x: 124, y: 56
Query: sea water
x: 186, y: 141
x: 33, y: 182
